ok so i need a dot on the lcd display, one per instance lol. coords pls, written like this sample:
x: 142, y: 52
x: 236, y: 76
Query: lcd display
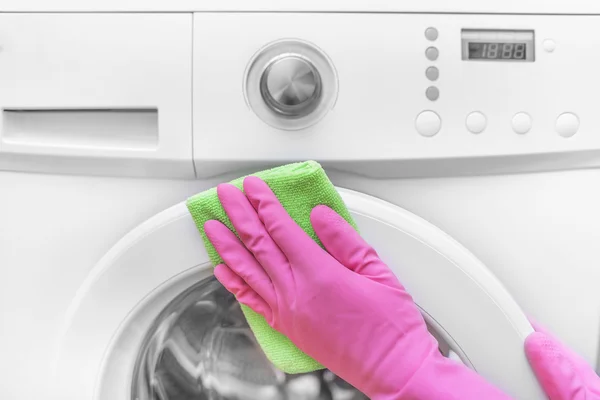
x: 498, y: 45
x: 491, y: 51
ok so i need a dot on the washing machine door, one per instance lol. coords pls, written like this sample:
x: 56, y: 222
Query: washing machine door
x: 150, y: 322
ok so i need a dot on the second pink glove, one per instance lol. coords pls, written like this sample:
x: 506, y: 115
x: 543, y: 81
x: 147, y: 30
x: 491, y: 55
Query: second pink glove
x: 343, y: 307
x: 563, y: 374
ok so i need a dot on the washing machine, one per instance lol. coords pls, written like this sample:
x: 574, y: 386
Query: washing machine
x: 462, y: 137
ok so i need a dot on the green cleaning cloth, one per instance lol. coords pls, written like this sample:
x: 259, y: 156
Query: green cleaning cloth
x: 299, y: 187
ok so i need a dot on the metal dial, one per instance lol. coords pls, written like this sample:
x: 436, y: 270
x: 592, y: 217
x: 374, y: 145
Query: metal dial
x: 291, y: 86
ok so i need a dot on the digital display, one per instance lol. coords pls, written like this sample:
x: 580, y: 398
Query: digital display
x: 497, y: 51
x: 493, y: 51
x: 498, y: 45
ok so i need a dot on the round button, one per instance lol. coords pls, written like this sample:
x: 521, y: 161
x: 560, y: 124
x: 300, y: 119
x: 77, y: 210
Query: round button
x: 431, y: 34
x: 432, y: 93
x: 549, y: 45
x: 428, y: 123
x: 521, y: 123
x: 432, y: 53
x: 290, y: 85
x: 476, y: 122
x: 432, y: 73
x: 567, y: 124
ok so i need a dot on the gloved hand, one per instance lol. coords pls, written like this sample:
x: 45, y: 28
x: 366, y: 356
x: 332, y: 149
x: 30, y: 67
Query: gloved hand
x: 343, y: 307
x: 563, y: 374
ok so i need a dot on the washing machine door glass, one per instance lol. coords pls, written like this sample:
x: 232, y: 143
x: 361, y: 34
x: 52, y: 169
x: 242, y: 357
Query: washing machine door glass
x: 201, y: 347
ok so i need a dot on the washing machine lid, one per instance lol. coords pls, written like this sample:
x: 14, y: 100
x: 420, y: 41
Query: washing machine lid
x: 459, y: 297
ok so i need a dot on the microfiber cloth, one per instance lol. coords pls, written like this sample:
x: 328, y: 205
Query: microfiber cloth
x: 299, y: 187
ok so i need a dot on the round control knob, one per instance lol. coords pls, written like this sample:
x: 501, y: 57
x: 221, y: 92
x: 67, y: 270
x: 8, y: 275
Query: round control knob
x: 291, y: 86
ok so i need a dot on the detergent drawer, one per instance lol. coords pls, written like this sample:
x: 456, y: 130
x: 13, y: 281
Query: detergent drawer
x: 105, y: 94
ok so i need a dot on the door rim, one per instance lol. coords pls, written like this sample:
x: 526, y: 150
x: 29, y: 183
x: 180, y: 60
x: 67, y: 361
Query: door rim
x: 127, y: 262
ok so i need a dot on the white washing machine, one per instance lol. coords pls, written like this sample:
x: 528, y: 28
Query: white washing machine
x: 463, y: 138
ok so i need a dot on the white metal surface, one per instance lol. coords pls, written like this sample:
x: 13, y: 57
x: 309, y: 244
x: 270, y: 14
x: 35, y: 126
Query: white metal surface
x: 90, y: 75
x: 443, y: 6
x: 54, y: 229
x: 442, y: 276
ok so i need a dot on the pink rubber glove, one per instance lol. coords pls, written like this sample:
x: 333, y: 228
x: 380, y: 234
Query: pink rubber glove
x: 343, y: 307
x: 563, y: 374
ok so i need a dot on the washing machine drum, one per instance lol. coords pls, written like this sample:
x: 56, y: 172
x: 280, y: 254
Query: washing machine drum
x: 152, y: 323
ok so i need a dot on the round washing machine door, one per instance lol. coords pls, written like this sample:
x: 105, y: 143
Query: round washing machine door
x: 151, y: 322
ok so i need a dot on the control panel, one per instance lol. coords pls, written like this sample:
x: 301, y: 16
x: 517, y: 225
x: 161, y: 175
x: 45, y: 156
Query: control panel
x: 380, y: 94
x: 418, y: 94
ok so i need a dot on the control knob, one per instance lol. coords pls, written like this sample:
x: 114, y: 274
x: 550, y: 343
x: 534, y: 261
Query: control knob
x: 291, y: 86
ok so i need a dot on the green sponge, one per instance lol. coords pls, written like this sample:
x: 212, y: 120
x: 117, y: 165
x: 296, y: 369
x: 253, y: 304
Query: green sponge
x: 299, y: 187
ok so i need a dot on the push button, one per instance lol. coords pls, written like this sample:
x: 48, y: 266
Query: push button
x: 432, y: 73
x: 428, y: 123
x: 431, y: 33
x: 432, y: 53
x: 567, y: 124
x: 476, y: 122
x: 521, y: 123
x: 432, y: 93
x: 549, y: 45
